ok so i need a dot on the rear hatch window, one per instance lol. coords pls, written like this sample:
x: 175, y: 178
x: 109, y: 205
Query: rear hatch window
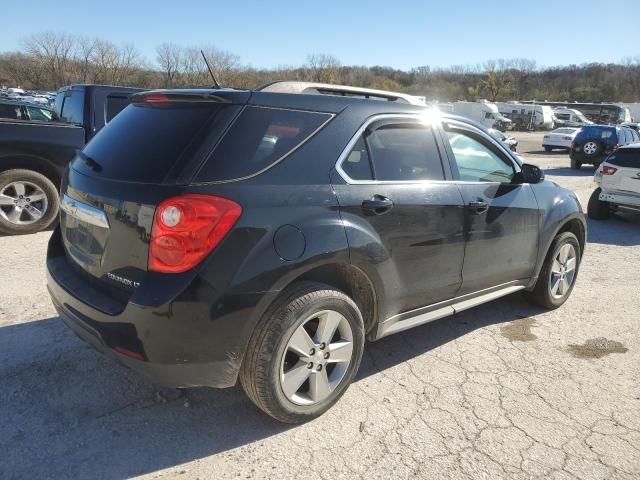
x: 627, y: 158
x: 258, y: 139
x: 143, y: 142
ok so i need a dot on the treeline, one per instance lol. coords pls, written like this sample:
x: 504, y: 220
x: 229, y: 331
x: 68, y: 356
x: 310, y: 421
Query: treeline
x: 49, y: 60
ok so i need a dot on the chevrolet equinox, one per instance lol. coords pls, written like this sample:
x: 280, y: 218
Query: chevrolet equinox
x: 211, y: 236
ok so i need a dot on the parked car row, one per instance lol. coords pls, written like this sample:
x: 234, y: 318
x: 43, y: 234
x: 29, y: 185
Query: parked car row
x: 19, y: 94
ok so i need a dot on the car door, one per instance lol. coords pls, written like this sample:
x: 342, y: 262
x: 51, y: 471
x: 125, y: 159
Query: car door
x: 501, y: 215
x: 403, y: 219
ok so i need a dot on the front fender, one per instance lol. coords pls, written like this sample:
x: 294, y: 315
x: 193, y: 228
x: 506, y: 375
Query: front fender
x: 558, y: 207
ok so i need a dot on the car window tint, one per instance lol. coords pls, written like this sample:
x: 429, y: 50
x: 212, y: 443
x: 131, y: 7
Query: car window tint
x: 357, y: 164
x: 404, y: 152
x: 259, y: 138
x: 144, y: 142
x: 73, y: 107
x: 39, y: 114
x: 477, y: 161
x: 625, y: 158
x: 10, y: 111
x: 115, y: 104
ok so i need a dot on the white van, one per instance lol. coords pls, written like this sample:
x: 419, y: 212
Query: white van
x: 527, y: 116
x: 485, y: 113
x: 569, y: 117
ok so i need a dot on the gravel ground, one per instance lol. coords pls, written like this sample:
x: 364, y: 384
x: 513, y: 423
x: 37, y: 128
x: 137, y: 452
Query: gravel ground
x: 505, y: 390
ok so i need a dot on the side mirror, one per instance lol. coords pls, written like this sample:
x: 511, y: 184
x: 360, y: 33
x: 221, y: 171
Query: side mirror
x: 531, y: 173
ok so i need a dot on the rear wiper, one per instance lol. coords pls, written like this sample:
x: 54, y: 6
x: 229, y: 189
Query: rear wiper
x: 90, y: 162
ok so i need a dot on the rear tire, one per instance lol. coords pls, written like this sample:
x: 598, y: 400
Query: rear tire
x: 548, y: 149
x: 575, y: 164
x: 301, y: 316
x: 554, y: 273
x: 596, y: 208
x: 37, y: 202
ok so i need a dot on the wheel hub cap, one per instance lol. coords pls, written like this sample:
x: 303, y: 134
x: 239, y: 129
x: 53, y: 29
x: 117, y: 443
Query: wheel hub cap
x: 316, y: 358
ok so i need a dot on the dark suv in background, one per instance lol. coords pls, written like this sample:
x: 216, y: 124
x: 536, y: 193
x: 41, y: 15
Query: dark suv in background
x: 594, y: 143
x: 208, y: 236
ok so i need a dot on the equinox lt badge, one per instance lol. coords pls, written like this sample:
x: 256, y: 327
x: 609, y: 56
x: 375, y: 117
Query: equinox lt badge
x: 124, y: 281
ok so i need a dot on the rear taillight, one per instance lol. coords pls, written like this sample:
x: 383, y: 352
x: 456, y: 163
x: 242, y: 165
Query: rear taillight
x: 573, y: 145
x: 187, y: 228
x: 607, y: 170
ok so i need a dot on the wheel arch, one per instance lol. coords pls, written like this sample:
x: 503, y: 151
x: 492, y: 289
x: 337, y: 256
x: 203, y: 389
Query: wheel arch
x: 31, y: 162
x: 350, y: 280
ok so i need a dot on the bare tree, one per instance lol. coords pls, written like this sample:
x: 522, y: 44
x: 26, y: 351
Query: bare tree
x: 169, y: 59
x: 322, y: 67
x: 54, y: 52
x: 85, y: 51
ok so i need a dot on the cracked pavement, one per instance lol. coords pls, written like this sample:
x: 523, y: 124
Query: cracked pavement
x: 505, y: 390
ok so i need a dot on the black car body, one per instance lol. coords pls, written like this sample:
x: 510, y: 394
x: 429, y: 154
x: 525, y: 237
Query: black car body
x: 594, y: 143
x: 418, y: 242
x: 35, y: 152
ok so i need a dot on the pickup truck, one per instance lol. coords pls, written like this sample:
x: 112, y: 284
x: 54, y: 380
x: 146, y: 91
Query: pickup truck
x: 34, y: 154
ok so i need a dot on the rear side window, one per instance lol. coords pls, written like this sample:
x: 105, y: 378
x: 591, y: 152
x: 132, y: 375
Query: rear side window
x: 40, y: 114
x: 115, y: 104
x: 73, y: 107
x: 144, y: 142
x: 259, y: 138
x: 10, y: 111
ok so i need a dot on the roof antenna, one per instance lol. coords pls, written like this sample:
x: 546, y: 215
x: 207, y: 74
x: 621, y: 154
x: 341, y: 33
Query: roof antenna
x: 213, y: 77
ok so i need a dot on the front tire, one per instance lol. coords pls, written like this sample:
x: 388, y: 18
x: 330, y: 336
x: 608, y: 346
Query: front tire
x: 559, y: 272
x: 28, y: 202
x: 596, y: 208
x: 548, y: 149
x: 304, y: 354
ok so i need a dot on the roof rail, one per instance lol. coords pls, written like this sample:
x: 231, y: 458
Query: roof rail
x: 314, y: 88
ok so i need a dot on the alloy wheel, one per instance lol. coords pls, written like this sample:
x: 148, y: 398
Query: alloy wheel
x: 316, y: 358
x: 22, y: 203
x: 563, y: 271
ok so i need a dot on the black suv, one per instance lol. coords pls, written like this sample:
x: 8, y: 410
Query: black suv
x: 208, y: 236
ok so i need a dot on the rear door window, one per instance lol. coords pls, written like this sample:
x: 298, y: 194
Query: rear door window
x: 143, y: 142
x: 258, y: 139
x: 405, y: 152
x: 73, y: 107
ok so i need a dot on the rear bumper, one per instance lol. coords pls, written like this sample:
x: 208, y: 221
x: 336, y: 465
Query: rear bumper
x: 177, y: 341
x: 591, y: 159
x: 621, y: 198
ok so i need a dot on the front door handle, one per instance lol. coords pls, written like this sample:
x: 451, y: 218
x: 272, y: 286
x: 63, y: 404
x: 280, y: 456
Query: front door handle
x: 377, y: 205
x: 478, y: 207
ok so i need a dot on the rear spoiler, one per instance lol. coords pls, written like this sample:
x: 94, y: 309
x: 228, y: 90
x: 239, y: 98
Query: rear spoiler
x: 190, y: 96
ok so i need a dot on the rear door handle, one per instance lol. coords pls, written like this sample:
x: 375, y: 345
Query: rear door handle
x: 478, y: 207
x: 378, y: 205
